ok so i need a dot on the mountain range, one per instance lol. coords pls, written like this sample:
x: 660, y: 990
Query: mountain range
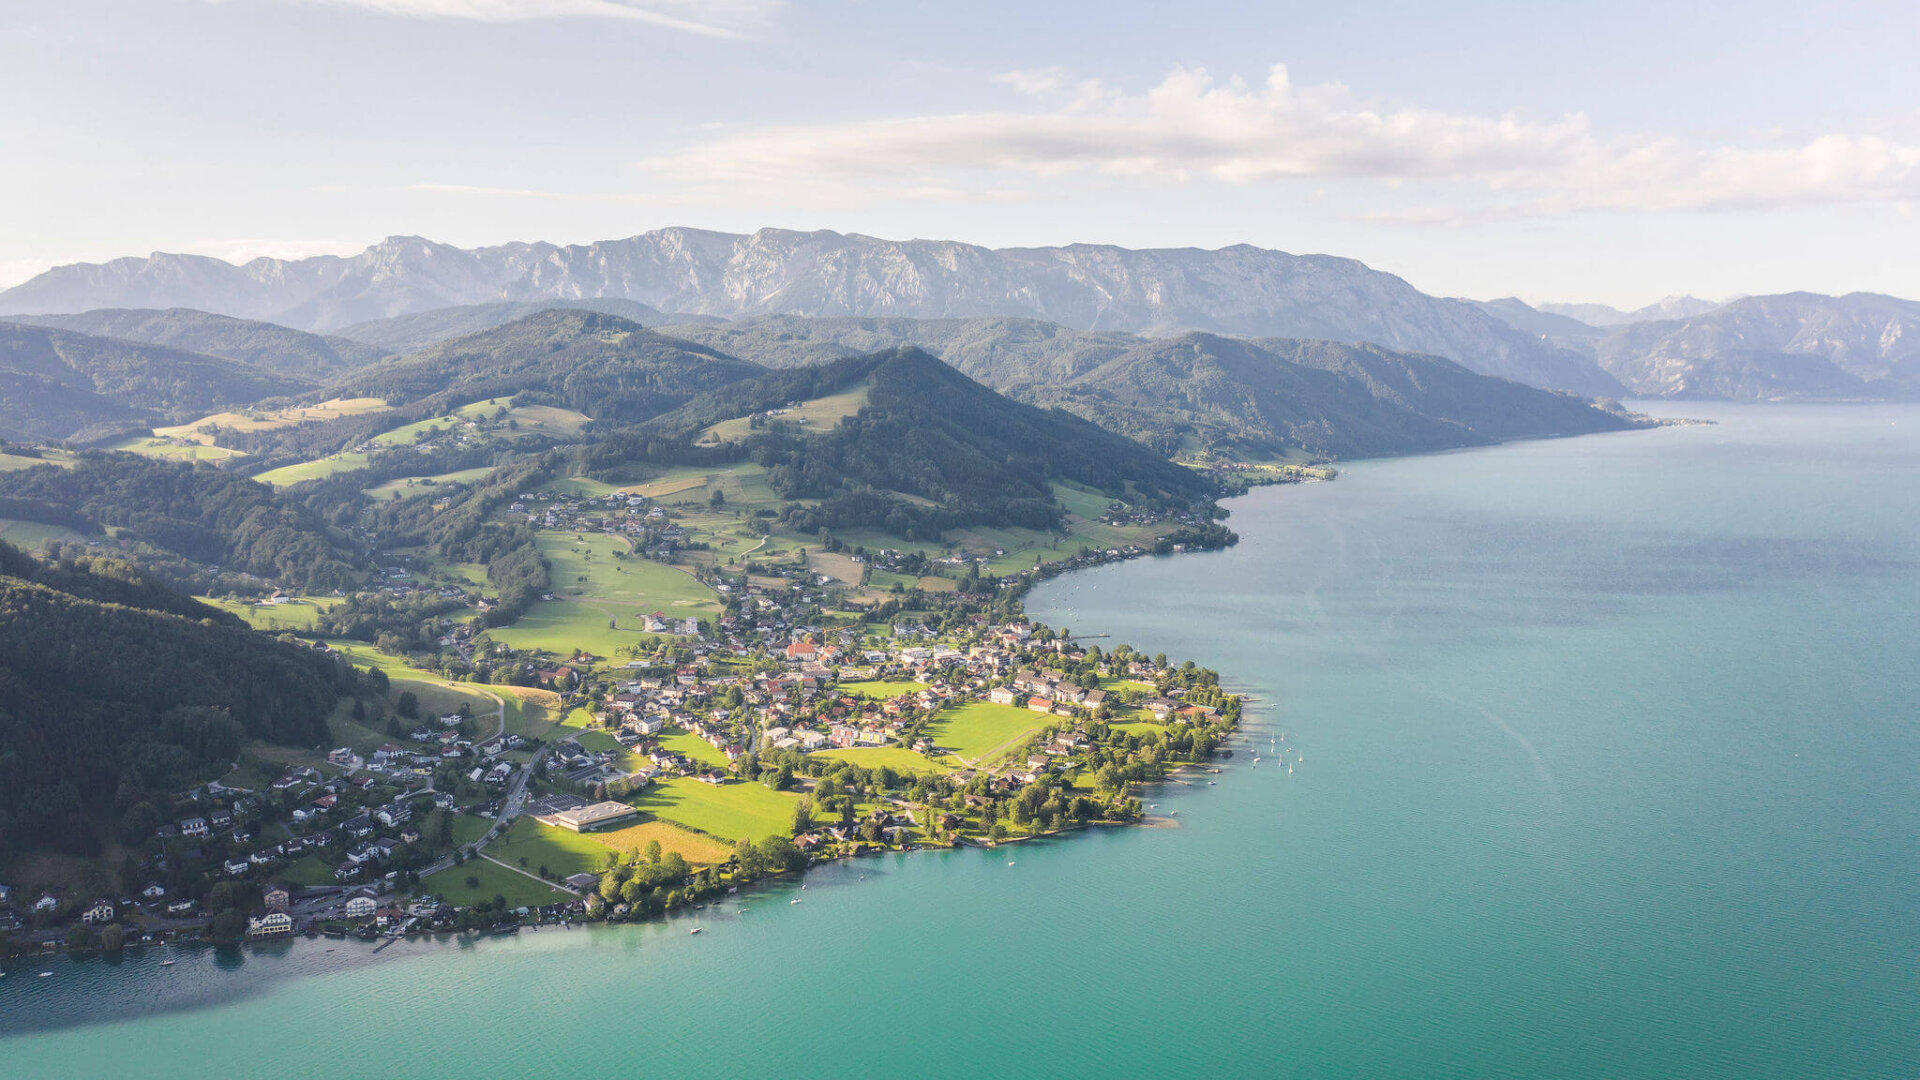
x: 1241, y: 291
x: 1793, y: 346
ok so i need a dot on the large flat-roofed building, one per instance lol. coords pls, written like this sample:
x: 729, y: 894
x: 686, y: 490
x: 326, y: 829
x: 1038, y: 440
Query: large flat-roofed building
x: 587, y: 818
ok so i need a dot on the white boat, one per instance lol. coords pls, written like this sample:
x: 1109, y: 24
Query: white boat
x: 695, y: 930
x: 46, y: 974
x: 169, y: 963
x: 795, y: 900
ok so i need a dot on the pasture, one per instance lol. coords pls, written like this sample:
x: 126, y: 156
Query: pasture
x: 982, y: 731
x: 731, y: 811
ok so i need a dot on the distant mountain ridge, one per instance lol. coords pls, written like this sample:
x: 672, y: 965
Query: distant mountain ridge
x: 1605, y: 316
x: 1242, y: 290
x: 56, y: 383
x: 1196, y: 392
x: 279, y: 349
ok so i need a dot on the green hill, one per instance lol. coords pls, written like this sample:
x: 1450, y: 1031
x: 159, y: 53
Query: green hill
x: 269, y: 346
x: 54, y: 383
x: 963, y: 454
x: 195, y: 511
x: 1202, y: 392
x: 1199, y: 392
x: 110, y: 685
x: 604, y: 366
x: 402, y: 334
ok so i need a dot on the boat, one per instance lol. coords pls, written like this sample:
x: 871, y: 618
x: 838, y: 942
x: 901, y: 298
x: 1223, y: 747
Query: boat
x: 795, y: 900
x: 166, y: 963
x: 695, y: 930
x: 1009, y: 862
x: 46, y: 974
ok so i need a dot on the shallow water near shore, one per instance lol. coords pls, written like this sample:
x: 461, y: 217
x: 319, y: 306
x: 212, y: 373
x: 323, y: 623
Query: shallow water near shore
x: 1605, y: 763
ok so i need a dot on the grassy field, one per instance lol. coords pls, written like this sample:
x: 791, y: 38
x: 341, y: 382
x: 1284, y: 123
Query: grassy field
x: 820, y: 414
x: 9, y: 462
x: 693, y: 847
x: 301, y: 614
x: 600, y: 599
x: 518, y: 889
x: 683, y: 742
x: 897, y: 758
x: 731, y: 811
x: 174, y: 449
x: 980, y: 731
x: 313, y: 470
x: 528, y: 419
x: 408, y: 486
x: 308, y: 870
x: 560, y: 850
x: 880, y: 690
x: 266, y: 420
x: 29, y: 535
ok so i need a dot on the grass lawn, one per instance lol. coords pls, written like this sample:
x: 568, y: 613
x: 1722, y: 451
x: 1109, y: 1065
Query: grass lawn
x: 468, y: 829
x: 560, y: 850
x: 881, y: 690
x: 361, y: 654
x: 301, y: 614
x: 982, y: 730
x: 596, y: 741
x: 520, y: 891
x: 693, y: 746
x: 1137, y: 727
x: 29, y: 535
x: 308, y: 870
x: 730, y: 811
x: 897, y: 758
x: 693, y: 847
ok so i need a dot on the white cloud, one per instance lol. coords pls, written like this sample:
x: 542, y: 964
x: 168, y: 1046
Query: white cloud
x: 710, y: 18
x: 1189, y: 126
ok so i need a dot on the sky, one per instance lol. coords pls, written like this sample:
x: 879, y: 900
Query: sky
x: 1609, y: 152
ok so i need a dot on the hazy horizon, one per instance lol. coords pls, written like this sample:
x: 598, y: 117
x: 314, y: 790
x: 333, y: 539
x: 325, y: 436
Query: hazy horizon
x: 1653, y: 151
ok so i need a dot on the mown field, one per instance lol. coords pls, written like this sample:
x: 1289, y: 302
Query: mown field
x: 979, y: 731
x: 730, y: 811
x: 301, y: 614
x: 518, y: 889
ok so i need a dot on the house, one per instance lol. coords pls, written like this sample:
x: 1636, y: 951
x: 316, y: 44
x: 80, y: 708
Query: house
x: 278, y: 897
x: 220, y: 819
x: 841, y: 736
x: 154, y: 891
x: 100, y: 911
x: 395, y: 814
x: 1040, y: 704
x: 194, y: 826
x: 1000, y: 695
x: 47, y: 903
x: 270, y: 924
x: 182, y: 906
x: 6, y: 895
x: 236, y: 867
x: 342, y: 757
x: 361, y: 905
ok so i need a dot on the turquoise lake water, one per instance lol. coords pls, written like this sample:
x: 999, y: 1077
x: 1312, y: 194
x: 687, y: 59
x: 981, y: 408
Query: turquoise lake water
x: 1608, y: 766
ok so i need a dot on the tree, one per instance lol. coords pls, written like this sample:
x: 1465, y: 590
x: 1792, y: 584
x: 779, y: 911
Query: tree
x: 802, y: 816
x: 113, y: 938
x: 653, y: 851
x: 473, y: 881
x: 407, y: 704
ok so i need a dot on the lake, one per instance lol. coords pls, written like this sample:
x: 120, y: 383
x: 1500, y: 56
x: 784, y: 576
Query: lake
x: 1605, y: 757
